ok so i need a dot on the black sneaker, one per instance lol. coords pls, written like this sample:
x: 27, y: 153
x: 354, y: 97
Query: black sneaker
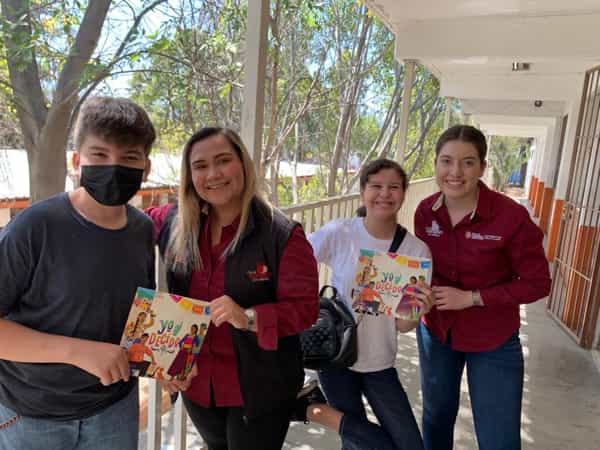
x: 310, y: 394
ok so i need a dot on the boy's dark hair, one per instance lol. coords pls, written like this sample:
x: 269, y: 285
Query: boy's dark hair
x: 116, y: 120
x: 145, y: 335
x: 376, y: 166
x: 464, y: 133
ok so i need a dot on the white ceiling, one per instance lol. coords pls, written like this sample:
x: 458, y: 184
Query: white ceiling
x: 470, y: 46
x: 513, y: 107
x: 406, y: 10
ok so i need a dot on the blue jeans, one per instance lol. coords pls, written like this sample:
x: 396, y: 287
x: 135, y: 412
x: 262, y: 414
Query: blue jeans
x: 495, y: 381
x: 399, y: 430
x: 114, y: 428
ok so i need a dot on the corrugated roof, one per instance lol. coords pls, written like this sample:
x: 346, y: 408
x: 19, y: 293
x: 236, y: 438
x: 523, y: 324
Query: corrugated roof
x: 14, y: 173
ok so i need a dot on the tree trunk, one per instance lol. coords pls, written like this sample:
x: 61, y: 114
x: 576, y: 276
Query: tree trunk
x: 348, y: 103
x: 46, y: 129
x: 47, y: 156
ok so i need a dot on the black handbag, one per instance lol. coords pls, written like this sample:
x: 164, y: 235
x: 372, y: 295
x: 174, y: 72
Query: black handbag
x: 332, y: 340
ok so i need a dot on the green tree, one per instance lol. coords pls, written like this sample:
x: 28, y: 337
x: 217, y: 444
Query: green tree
x: 506, y: 154
x: 54, y: 61
x: 333, y: 87
x: 10, y: 134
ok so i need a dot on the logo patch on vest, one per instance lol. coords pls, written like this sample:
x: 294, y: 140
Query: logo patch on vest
x: 260, y: 274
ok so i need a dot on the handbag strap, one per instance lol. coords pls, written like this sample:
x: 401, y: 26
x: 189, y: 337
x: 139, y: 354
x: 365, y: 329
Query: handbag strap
x: 399, y: 235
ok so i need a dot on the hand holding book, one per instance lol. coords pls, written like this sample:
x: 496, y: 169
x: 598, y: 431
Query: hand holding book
x: 424, y: 295
x: 176, y: 385
x: 106, y: 361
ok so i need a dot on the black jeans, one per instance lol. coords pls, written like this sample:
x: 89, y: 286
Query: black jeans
x: 397, y: 428
x: 224, y: 428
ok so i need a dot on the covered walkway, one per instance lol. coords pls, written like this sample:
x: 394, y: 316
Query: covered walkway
x: 561, y: 405
x: 525, y: 69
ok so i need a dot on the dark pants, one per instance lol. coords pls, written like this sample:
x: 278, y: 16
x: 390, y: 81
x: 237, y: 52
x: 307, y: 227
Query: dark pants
x: 224, y: 428
x: 495, y: 381
x: 398, y: 430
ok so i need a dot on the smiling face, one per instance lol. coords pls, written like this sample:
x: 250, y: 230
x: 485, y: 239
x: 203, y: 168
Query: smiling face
x: 383, y: 194
x: 458, y: 169
x: 217, y: 172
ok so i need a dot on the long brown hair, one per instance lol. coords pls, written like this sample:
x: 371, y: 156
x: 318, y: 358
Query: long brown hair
x: 183, y: 254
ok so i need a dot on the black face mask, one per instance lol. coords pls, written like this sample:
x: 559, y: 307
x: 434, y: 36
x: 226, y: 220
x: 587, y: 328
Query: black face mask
x: 111, y: 185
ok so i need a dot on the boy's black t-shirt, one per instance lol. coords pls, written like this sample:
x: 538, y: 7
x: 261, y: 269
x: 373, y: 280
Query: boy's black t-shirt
x: 63, y: 275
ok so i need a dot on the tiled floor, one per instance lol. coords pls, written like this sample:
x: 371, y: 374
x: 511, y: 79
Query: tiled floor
x: 561, y: 405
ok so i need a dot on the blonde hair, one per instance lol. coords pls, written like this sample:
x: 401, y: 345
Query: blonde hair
x: 183, y: 253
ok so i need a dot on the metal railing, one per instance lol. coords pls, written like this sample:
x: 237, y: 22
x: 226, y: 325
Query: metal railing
x: 312, y: 216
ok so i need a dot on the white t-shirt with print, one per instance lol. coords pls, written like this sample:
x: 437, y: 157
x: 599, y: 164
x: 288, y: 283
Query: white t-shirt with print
x: 338, y: 245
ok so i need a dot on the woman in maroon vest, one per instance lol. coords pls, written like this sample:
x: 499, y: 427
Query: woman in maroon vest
x: 224, y: 244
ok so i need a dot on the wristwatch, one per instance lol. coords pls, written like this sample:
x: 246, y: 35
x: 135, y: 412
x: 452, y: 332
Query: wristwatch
x: 476, y: 298
x: 250, y: 314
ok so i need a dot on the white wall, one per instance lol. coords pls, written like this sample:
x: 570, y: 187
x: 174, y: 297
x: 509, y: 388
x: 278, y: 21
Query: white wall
x: 567, y: 153
x: 4, y: 216
x: 549, y: 163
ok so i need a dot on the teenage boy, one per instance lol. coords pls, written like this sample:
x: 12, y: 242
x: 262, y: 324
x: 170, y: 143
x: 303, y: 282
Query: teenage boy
x: 70, y: 266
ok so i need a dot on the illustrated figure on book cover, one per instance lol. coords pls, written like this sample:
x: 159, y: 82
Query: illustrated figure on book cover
x: 189, y: 347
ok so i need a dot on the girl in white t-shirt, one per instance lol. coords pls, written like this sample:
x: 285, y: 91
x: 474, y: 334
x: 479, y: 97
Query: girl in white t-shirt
x: 382, y: 188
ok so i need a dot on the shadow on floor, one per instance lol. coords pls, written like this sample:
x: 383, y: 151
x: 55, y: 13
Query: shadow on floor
x: 561, y: 404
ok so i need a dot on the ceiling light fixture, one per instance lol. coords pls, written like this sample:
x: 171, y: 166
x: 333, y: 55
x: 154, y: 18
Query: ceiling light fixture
x: 520, y: 66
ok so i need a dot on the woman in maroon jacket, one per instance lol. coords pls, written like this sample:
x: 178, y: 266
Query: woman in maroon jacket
x: 226, y: 245
x: 488, y: 259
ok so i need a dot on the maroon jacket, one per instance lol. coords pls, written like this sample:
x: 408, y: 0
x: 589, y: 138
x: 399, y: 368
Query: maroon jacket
x: 498, y: 250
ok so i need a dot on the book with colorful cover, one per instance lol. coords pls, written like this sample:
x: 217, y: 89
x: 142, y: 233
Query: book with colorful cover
x: 385, y: 283
x: 164, y: 333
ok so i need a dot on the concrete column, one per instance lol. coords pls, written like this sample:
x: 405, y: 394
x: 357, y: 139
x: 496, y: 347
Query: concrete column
x: 546, y: 153
x: 553, y: 163
x: 409, y: 78
x: 254, y: 79
x: 529, y: 172
x: 533, y: 165
x: 447, y: 112
x: 567, y: 154
x: 540, y: 145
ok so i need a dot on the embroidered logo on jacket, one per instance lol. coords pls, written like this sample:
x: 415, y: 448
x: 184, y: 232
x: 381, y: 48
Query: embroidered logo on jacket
x: 434, y: 230
x: 260, y: 274
x: 482, y: 237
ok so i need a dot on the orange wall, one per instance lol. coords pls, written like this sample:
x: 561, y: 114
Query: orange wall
x: 537, y: 204
x: 546, y: 208
x: 532, y: 189
x: 554, y: 229
x: 14, y: 204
